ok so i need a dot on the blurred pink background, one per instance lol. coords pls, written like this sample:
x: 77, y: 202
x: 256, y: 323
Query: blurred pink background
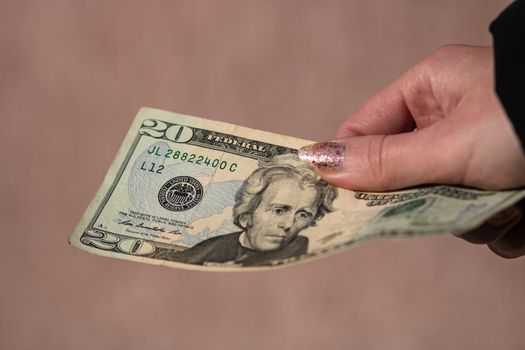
x: 72, y: 76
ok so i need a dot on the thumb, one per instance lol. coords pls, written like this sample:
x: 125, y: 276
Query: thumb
x: 387, y: 162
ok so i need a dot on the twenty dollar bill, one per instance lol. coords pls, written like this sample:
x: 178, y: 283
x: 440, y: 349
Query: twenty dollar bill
x: 199, y: 194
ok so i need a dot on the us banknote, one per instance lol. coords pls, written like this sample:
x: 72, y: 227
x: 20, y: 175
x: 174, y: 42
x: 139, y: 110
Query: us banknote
x: 192, y: 193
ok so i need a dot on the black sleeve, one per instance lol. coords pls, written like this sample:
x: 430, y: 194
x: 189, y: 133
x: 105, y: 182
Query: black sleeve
x: 508, y: 31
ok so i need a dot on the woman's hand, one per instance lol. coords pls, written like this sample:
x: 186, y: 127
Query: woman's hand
x: 440, y: 122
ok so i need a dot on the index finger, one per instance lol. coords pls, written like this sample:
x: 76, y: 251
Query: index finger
x: 384, y: 113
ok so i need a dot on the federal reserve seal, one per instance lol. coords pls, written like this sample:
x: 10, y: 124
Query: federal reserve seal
x: 180, y: 193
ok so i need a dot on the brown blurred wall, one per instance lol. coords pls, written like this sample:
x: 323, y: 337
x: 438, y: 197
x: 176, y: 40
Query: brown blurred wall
x: 72, y: 76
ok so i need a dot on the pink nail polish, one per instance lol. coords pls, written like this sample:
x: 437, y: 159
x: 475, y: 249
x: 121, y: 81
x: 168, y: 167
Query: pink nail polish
x: 326, y: 156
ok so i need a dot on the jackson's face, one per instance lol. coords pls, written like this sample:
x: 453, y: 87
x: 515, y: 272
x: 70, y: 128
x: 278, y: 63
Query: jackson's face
x: 284, y: 211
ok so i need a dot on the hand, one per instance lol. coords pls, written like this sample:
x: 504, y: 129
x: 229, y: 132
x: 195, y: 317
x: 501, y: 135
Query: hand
x: 504, y: 233
x: 440, y: 122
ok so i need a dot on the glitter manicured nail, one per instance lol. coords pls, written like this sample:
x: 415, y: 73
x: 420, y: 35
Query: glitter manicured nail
x: 326, y: 156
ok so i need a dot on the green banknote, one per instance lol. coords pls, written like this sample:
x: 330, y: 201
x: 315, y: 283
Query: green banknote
x: 198, y: 194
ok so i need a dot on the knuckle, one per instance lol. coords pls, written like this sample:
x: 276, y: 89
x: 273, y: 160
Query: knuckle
x: 445, y: 53
x: 449, y: 48
x: 376, y: 161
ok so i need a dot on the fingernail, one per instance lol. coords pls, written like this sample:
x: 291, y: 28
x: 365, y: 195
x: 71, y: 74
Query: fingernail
x: 325, y: 156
